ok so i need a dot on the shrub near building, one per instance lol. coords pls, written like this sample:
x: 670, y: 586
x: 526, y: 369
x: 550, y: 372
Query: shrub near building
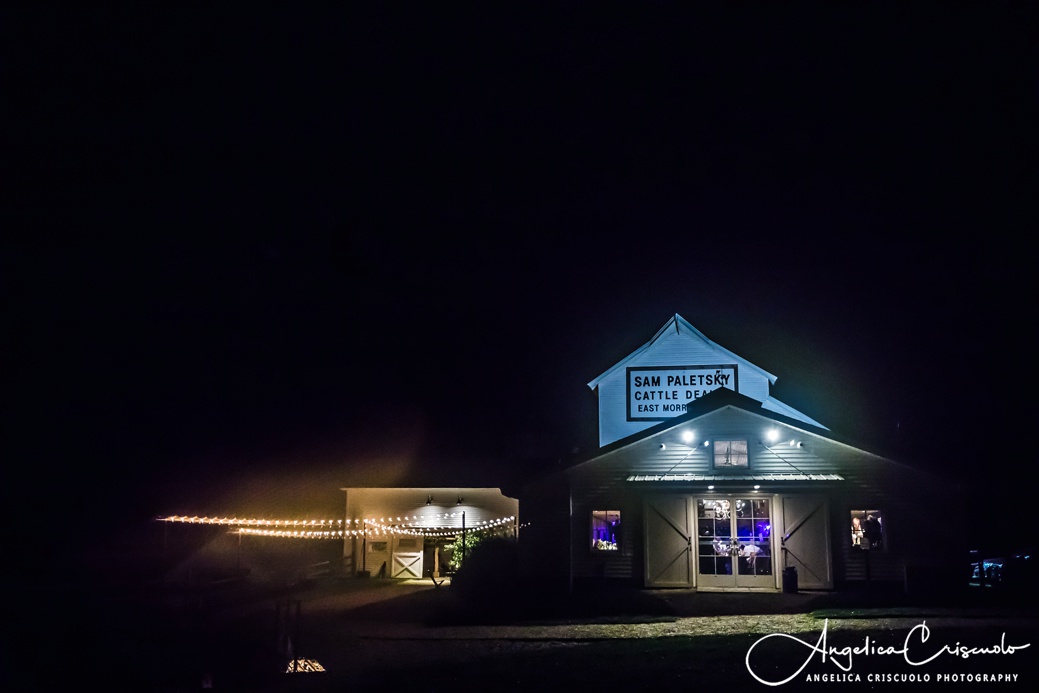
x: 489, y: 570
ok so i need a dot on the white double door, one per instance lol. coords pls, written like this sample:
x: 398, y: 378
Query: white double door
x: 712, y: 542
x: 734, y: 542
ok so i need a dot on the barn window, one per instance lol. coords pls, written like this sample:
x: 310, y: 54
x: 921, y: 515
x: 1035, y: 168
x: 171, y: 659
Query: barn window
x: 867, y: 529
x: 731, y: 453
x: 606, y: 530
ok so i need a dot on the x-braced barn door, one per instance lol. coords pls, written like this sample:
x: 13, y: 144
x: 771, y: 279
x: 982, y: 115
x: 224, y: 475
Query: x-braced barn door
x: 806, y: 540
x: 669, y: 542
x: 407, y: 558
x: 407, y: 565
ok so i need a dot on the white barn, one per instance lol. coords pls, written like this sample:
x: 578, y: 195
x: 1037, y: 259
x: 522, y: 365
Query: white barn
x: 703, y: 480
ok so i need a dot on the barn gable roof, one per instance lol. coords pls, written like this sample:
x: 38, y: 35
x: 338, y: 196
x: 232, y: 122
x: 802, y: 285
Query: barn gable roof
x: 707, y: 404
x: 680, y: 325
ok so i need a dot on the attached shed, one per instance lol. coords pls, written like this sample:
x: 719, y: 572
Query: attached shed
x: 730, y: 491
x: 407, y: 532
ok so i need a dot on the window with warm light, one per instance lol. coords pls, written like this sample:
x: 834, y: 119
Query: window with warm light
x: 606, y: 530
x: 867, y: 530
x: 730, y: 453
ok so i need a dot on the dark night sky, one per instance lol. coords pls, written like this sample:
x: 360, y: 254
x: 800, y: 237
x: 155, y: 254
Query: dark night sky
x: 267, y: 251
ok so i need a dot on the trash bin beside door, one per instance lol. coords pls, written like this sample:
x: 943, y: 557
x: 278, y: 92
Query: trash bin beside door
x: 790, y: 580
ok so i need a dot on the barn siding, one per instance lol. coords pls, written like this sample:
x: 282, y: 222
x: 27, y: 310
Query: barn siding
x: 918, y: 540
x: 622, y: 565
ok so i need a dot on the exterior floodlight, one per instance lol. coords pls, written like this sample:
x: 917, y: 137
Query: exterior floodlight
x: 711, y: 487
x: 772, y: 435
x: 687, y: 436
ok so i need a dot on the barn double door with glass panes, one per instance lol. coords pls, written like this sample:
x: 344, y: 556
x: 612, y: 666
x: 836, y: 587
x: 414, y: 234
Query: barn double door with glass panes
x: 734, y: 542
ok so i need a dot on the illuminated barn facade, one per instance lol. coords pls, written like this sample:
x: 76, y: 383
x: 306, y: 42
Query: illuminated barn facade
x: 703, y: 480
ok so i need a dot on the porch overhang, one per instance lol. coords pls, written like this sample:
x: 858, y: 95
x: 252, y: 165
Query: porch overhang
x: 732, y: 478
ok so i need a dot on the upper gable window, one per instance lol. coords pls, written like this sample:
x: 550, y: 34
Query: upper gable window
x: 730, y: 453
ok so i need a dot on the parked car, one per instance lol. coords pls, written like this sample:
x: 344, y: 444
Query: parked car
x: 992, y: 569
x: 1015, y: 570
x: 1019, y: 570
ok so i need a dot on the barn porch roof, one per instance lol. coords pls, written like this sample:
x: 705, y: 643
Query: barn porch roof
x: 735, y: 477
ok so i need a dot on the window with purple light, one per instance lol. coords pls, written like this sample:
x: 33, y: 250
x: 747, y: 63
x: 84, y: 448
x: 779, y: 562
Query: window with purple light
x: 606, y: 530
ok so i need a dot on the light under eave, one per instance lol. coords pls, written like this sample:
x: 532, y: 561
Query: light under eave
x: 730, y: 477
